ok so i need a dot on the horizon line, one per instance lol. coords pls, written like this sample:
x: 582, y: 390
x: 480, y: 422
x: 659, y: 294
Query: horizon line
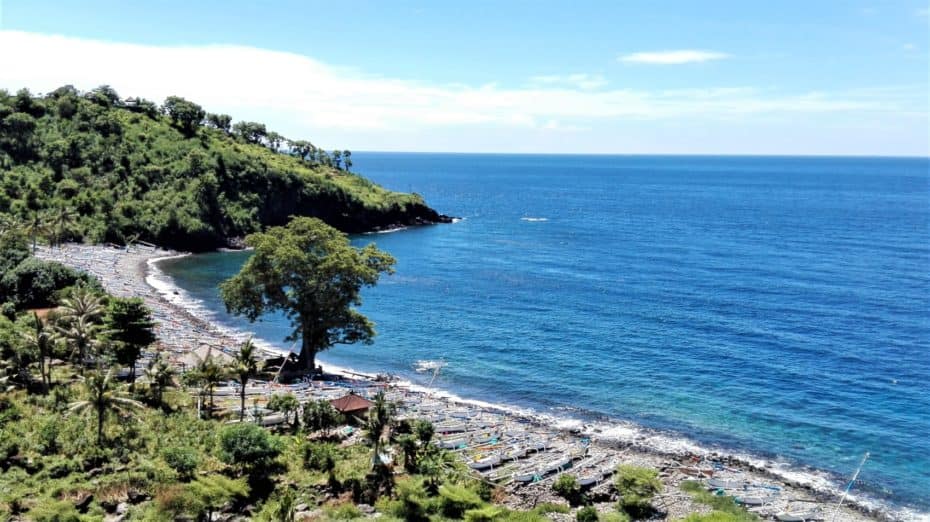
x: 646, y: 154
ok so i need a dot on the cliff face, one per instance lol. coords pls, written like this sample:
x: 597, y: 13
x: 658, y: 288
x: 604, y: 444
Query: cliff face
x: 106, y: 169
x: 354, y: 218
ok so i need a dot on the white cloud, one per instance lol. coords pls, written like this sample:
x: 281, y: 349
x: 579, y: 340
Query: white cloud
x: 580, y: 81
x: 675, y: 57
x: 301, y: 97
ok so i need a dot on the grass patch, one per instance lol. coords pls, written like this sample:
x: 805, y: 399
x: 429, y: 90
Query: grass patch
x: 724, y: 506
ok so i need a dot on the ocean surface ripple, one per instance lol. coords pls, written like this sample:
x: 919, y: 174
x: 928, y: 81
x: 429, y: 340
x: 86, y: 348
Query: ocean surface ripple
x: 778, y: 307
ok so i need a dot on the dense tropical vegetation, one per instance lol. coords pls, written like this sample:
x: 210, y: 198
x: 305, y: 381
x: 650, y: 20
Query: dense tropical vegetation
x: 93, y: 166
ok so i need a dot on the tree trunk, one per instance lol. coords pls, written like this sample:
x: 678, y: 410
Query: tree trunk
x: 306, y: 362
x: 242, y: 400
x: 45, y: 373
x: 100, y: 413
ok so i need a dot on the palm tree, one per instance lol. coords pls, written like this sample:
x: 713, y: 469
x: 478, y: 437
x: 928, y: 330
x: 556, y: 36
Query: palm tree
x: 434, y: 465
x: 244, y: 367
x: 347, y: 159
x: 208, y: 373
x: 61, y: 218
x: 380, y: 418
x: 79, y: 313
x: 103, y: 397
x: 40, y: 340
x: 160, y: 375
x: 82, y: 302
x: 35, y: 227
x: 9, y: 224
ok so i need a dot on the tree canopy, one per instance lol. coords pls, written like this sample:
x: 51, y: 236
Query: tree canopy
x: 311, y: 272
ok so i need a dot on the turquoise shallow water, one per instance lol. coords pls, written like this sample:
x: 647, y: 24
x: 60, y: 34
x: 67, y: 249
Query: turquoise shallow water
x: 779, y: 306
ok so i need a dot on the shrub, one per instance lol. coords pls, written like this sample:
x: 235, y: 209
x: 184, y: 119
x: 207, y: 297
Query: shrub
x: 485, y: 514
x: 248, y: 446
x: 183, y: 459
x: 320, y: 416
x: 586, y: 514
x: 33, y: 283
x: 455, y: 500
x: 281, y: 508
x: 424, y: 430
x: 412, y: 502
x: 47, y: 436
x: 567, y: 487
x: 549, y: 507
x: 636, y: 487
x: 201, y: 497
x: 319, y: 456
x: 345, y: 511
x: 721, y: 504
x: 617, y: 516
x: 54, y: 511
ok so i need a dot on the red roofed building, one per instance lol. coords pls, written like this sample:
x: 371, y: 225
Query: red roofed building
x: 351, y: 404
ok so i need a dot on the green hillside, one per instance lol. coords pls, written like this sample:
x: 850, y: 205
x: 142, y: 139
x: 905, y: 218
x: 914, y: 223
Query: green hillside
x: 110, y: 169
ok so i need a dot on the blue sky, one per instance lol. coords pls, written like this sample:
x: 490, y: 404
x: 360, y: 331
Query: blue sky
x: 601, y: 77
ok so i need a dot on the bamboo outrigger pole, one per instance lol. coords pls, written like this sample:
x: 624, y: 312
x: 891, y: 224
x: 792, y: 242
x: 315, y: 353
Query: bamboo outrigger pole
x: 849, y: 486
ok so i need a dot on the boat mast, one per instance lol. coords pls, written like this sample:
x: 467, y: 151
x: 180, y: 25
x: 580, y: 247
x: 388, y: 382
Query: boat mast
x: 849, y: 486
x: 439, y: 365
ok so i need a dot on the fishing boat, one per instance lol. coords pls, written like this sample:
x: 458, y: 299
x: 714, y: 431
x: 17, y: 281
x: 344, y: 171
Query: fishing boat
x: 525, y: 475
x: 801, y: 516
x: 716, y: 483
x: 756, y: 500
x: 450, y: 427
x: 453, y: 443
x: 485, y: 462
x: 515, y: 452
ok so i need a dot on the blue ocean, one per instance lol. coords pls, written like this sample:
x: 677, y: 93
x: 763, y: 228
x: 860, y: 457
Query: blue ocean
x: 773, y: 306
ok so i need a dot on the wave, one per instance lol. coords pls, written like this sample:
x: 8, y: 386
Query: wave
x: 385, y: 231
x: 534, y: 219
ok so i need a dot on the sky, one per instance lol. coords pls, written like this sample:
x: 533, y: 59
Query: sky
x: 615, y: 77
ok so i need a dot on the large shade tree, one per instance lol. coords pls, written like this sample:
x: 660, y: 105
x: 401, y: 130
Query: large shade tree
x: 311, y: 272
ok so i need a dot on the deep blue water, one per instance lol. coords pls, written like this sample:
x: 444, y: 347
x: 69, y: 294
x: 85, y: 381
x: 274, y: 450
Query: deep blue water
x: 778, y: 305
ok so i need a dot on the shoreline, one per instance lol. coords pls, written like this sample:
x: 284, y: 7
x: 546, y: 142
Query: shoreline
x: 182, y: 330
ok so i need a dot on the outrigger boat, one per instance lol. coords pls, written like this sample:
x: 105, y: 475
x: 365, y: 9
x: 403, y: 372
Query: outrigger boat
x: 805, y: 516
x: 485, y: 462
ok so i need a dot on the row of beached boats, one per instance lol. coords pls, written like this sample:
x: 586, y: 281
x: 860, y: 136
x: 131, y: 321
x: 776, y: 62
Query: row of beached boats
x: 764, y: 499
x: 508, y: 449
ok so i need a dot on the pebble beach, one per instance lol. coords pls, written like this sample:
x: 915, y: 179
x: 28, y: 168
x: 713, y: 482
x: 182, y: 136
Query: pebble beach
x: 522, y: 453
